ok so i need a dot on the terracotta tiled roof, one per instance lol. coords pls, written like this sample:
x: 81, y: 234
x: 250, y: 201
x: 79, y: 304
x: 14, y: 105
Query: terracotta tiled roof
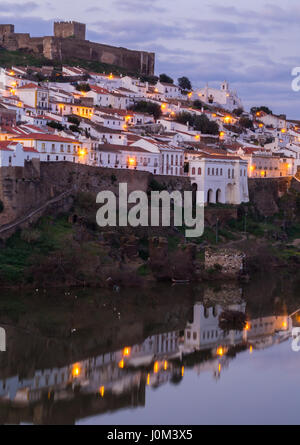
x: 46, y: 137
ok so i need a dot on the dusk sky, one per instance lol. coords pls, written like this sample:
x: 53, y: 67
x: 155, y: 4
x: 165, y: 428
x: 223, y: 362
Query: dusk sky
x: 254, y: 45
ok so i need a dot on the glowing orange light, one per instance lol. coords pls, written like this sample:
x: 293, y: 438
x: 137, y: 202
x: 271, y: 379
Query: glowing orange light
x: 222, y: 134
x: 284, y: 324
x: 182, y: 371
x: 247, y: 327
x: 220, y: 368
x: 82, y: 153
x: 11, y: 73
x: 197, y: 136
x: 126, y: 351
x: 121, y: 364
x: 262, y: 173
x: 283, y: 130
x: 261, y: 125
x: 132, y: 161
x: 76, y: 371
x: 165, y: 365
x: 251, y: 349
x: 220, y: 351
x: 190, y: 95
x: 156, y: 367
x: 227, y: 119
x: 111, y: 76
x: 125, y: 127
x: 148, y: 379
x: 101, y: 391
x: 252, y: 168
x: 163, y: 106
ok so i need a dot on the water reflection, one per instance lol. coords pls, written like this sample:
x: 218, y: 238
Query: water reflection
x: 118, y: 378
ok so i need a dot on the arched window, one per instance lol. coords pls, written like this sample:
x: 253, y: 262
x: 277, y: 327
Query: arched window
x: 193, y: 171
x: 199, y: 171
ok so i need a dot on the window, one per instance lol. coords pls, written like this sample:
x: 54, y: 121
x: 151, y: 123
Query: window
x: 193, y: 171
x: 199, y: 171
x: 208, y: 171
x: 228, y: 174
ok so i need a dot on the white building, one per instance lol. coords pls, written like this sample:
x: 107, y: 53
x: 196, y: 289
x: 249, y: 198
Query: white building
x: 13, y: 154
x: 168, y: 90
x: 223, y: 179
x: 34, y: 96
x: 53, y: 148
x: 125, y: 157
x: 224, y: 96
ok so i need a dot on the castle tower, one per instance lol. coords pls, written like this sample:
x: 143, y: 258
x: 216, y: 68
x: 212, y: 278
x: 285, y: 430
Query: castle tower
x: 69, y: 29
x: 6, y: 30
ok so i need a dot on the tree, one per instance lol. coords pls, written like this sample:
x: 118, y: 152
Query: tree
x: 184, y: 83
x: 74, y: 120
x: 165, y: 78
x: 265, y: 109
x: 200, y: 123
x: 74, y: 129
x: 238, y: 111
x: 203, y: 124
x: 83, y: 87
x: 55, y: 125
x: 147, y: 107
x: 184, y: 118
x: 151, y: 79
x: 245, y: 122
x: 199, y: 105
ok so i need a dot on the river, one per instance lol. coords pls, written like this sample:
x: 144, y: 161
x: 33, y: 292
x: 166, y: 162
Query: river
x: 153, y: 357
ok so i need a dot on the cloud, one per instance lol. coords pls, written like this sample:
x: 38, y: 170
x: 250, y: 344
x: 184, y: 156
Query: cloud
x: 17, y: 7
x: 135, y: 32
x: 144, y: 6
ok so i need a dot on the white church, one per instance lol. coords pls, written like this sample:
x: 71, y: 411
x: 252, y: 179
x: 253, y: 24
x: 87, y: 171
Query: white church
x: 223, y: 97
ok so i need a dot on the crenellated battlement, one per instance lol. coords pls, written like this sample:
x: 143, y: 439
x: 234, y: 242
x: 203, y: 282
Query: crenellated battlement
x: 70, y: 29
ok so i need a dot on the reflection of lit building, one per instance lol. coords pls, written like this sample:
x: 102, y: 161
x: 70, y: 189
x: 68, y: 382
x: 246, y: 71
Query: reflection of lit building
x: 155, y: 347
x: 119, y: 379
x: 264, y: 332
x: 204, y: 332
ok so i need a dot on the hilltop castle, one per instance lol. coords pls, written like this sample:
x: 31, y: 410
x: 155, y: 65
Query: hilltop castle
x: 69, y: 40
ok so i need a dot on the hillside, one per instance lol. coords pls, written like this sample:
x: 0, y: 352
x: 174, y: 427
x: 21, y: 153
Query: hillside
x: 22, y: 58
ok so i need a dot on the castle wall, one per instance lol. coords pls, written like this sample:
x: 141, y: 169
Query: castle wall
x: 137, y: 61
x: 69, y: 42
